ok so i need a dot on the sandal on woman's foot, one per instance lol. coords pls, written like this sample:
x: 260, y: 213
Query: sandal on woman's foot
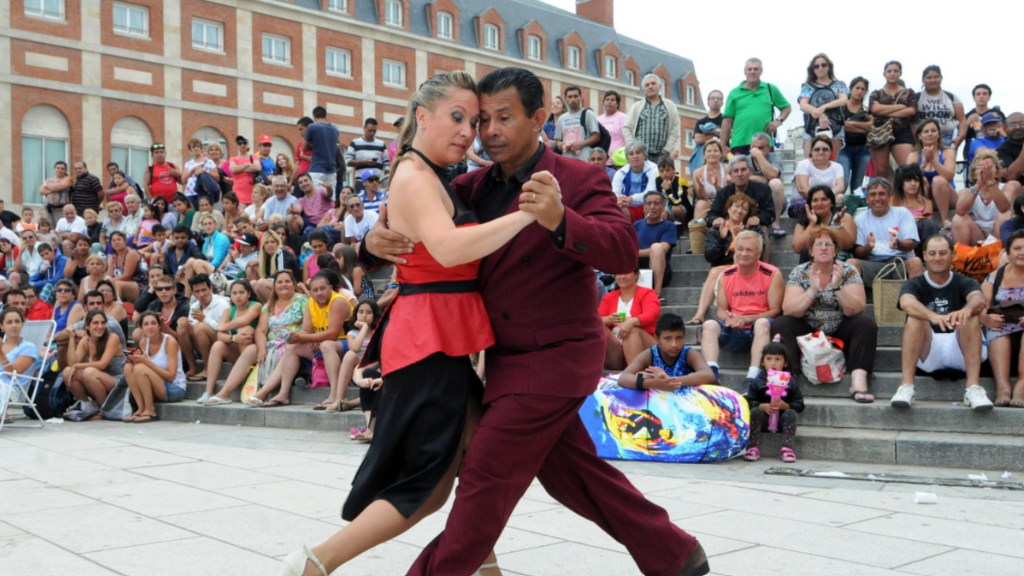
x: 752, y: 455
x: 323, y: 405
x: 196, y: 377
x: 145, y: 418
x: 779, y: 232
x: 275, y: 403
x: 255, y: 402
x: 294, y: 564
x: 787, y: 454
x: 861, y: 396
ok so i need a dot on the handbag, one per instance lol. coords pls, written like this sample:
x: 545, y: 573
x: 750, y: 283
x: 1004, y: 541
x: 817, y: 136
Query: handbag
x: 882, y: 135
x: 252, y: 385
x: 821, y: 358
x: 1011, y: 311
x: 977, y: 262
x: 318, y: 375
x: 118, y: 404
x: 886, y: 292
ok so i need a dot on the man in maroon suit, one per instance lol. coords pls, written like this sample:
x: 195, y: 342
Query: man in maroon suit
x: 540, y: 296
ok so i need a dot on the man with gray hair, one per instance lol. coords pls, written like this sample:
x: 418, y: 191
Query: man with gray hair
x: 739, y: 171
x: 751, y: 108
x: 633, y: 180
x: 132, y: 215
x: 657, y: 238
x: 281, y: 201
x: 653, y: 121
x: 766, y: 168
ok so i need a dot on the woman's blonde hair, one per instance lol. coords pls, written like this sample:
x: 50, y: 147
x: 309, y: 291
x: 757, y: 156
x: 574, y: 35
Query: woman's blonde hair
x: 272, y: 270
x: 715, y: 142
x: 981, y: 155
x: 262, y: 190
x: 113, y: 204
x: 90, y: 211
x: 429, y: 94
x: 95, y: 258
x: 214, y: 145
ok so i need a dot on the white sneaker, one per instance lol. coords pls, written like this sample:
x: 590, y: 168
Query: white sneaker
x: 904, y: 396
x: 975, y: 397
x: 202, y: 398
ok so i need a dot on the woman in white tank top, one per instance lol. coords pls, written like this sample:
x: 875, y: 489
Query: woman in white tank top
x: 154, y: 375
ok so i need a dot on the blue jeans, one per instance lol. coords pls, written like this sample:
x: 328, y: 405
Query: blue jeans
x: 854, y: 160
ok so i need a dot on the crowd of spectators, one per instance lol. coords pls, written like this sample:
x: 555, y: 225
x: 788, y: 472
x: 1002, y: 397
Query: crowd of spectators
x: 249, y: 259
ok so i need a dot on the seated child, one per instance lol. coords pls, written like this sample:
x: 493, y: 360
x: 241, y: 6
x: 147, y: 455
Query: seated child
x: 762, y: 406
x: 669, y: 364
x: 155, y: 250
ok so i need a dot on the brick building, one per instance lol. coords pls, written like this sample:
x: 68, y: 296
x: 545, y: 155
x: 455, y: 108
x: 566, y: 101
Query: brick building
x: 101, y: 80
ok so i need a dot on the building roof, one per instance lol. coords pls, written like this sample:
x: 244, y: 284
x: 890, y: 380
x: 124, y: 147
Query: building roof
x: 556, y: 22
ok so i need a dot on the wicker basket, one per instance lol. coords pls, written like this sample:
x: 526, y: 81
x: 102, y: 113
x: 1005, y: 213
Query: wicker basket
x: 886, y: 293
x: 698, y: 231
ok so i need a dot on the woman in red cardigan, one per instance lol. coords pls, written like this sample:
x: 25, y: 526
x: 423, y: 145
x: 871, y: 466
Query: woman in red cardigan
x: 629, y: 315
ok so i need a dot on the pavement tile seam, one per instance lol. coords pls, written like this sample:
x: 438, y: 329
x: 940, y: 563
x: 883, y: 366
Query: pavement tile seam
x: 27, y: 536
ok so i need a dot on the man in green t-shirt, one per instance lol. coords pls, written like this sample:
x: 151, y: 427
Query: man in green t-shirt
x: 751, y: 108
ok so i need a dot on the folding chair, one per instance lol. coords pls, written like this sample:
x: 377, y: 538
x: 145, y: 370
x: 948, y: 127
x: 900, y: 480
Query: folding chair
x: 40, y: 333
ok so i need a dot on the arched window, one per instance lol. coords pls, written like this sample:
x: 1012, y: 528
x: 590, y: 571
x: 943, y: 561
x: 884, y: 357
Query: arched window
x: 210, y: 135
x: 130, y: 140
x: 280, y: 146
x: 44, y: 141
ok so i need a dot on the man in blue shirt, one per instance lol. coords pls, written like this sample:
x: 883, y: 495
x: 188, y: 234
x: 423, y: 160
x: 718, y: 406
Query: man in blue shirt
x: 657, y: 238
x: 322, y: 141
x: 991, y: 128
x: 372, y: 195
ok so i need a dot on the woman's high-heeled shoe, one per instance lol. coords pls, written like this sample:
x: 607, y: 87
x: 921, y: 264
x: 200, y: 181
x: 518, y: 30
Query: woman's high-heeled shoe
x: 295, y: 563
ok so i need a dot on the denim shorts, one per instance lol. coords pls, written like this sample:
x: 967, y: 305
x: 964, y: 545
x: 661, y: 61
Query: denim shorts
x: 735, y: 339
x: 174, y: 392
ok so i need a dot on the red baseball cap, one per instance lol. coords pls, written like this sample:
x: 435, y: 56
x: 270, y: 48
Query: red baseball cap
x: 265, y: 139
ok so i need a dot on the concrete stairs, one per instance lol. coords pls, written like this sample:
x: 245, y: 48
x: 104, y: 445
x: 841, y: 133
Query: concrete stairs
x: 937, y: 431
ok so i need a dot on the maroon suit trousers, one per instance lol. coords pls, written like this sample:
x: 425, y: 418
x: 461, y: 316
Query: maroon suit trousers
x: 521, y: 437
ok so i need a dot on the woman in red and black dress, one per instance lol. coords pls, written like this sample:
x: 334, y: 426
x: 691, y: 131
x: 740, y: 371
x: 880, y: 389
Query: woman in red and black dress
x: 425, y: 337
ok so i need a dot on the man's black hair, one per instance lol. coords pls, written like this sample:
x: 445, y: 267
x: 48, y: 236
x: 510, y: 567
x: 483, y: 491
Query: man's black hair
x: 572, y: 88
x: 369, y: 121
x: 618, y: 97
x: 9, y: 293
x: 200, y: 279
x: 94, y: 294
x: 306, y: 120
x: 114, y: 164
x: 526, y: 83
x: 181, y: 229
x: 670, y: 323
x: 319, y: 112
x: 985, y: 86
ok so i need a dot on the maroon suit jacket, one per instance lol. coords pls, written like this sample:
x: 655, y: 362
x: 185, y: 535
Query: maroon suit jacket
x: 542, y: 300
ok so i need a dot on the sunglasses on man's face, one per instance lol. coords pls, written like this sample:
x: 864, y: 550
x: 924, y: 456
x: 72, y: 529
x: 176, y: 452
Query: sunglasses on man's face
x: 164, y: 288
x: 62, y: 290
x: 265, y: 145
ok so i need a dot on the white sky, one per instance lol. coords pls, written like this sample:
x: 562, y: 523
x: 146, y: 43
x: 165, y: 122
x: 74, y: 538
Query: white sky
x: 859, y: 37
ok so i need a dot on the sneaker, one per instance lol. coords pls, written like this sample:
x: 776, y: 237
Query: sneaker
x: 202, y: 398
x: 975, y: 397
x: 717, y: 378
x: 356, y: 431
x: 904, y: 396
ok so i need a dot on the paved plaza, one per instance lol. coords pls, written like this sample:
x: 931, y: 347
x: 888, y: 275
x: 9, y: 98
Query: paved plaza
x: 177, y: 499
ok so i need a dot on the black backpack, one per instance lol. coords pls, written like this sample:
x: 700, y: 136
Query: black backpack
x: 53, y: 398
x: 605, y: 141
